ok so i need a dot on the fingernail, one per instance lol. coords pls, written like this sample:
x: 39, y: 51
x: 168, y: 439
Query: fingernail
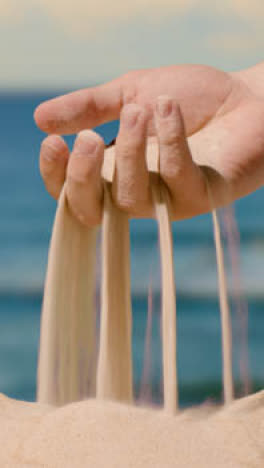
x: 85, y: 144
x: 164, y: 106
x: 129, y: 116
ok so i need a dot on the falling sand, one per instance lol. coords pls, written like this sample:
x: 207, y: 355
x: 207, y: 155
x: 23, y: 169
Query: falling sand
x: 62, y: 431
x: 66, y: 370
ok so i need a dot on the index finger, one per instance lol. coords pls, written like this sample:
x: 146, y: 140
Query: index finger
x: 81, y: 110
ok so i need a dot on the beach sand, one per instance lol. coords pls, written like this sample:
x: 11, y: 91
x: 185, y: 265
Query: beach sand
x: 101, y: 434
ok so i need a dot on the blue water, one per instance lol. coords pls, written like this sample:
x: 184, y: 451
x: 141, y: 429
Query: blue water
x: 26, y: 220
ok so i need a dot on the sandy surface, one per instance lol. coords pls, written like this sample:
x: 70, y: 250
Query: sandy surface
x: 98, y: 434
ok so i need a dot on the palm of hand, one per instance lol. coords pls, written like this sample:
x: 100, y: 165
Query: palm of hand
x: 223, y: 122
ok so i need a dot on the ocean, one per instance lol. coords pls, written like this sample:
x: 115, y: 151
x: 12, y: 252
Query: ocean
x: 27, y: 214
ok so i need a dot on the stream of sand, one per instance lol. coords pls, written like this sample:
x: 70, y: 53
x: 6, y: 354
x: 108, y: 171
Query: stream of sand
x: 85, y: 414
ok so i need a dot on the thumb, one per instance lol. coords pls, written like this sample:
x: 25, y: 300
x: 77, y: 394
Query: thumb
x: 81, y: 109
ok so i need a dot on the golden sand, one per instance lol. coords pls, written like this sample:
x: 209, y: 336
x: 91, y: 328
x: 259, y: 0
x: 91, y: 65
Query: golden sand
x: 101, y: 434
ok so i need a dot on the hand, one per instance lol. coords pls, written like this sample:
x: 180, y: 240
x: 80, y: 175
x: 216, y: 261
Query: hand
x: 220, y: 113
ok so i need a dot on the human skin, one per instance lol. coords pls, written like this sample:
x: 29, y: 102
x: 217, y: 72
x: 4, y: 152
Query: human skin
x: 209, y: 126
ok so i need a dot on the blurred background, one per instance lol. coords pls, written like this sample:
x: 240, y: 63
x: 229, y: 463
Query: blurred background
x: 48, y: 47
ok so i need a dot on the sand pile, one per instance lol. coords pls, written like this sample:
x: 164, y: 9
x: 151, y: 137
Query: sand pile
x: 101, y: 434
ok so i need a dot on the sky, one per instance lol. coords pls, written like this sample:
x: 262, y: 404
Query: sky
x: 50, y: 44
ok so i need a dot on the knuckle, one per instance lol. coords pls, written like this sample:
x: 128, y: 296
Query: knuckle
x: 130, y: 93
x: 125, y: 152
x: 173, y: 174
x: 77, y: 179
x: 87, y: 219
x: 126, y: 202
x: 168, y: 137
x: 130, y: 149
x: 134, y: 204
x: 173, y: 169
x: 80, y: 175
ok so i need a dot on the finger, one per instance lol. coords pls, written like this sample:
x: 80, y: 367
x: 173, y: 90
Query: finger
x: 184, y: 179
x: 131, y: 181
x: 84, y: 183
x: 80, y: 110
x: 54, y: 155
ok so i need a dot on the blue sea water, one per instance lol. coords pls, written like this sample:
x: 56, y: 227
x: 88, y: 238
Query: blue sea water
x: 26, y: 220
